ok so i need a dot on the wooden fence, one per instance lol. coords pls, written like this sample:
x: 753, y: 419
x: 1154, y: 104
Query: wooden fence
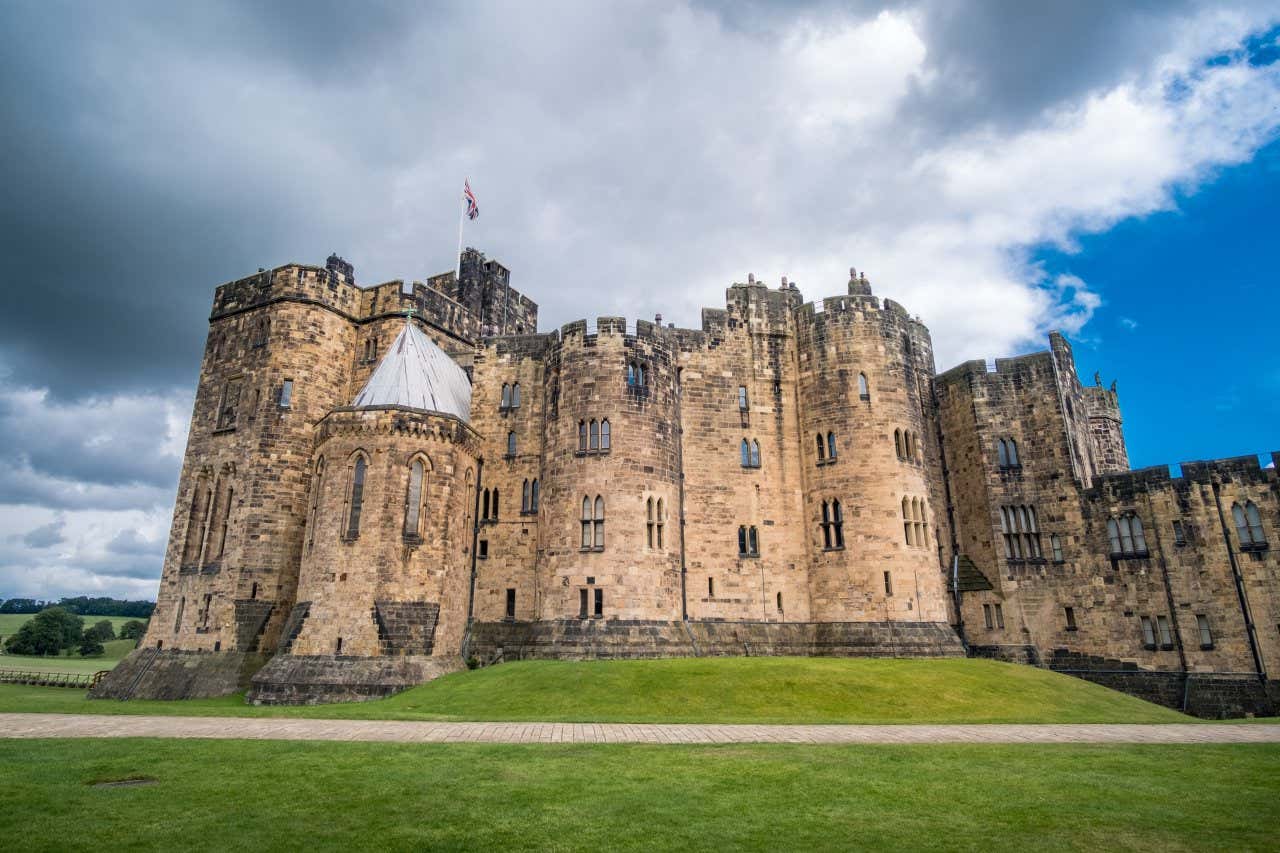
x: 51, y: 679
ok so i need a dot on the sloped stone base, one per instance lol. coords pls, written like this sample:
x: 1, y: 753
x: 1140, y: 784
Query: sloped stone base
x: 595, y: 639
x: 175, y: 674
x: 320, y: 679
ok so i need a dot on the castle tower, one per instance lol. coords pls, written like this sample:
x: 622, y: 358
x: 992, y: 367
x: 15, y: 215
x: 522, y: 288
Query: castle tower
x: 275, y: 361
x: 870, y: 455
x: 1106, y: 428
x: 384, y: 585
x: 610, y: 460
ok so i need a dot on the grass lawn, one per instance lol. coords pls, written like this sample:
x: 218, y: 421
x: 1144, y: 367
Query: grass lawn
x: 697, y: 690
x: 115, y: 649
x: 254, y: 795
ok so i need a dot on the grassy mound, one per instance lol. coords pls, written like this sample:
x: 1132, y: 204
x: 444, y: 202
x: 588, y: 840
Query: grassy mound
x: 700, y: 690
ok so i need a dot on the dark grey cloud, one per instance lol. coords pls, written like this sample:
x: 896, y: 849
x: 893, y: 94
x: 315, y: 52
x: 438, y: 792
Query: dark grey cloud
x: 46, y: 535
x: 631, y: 158
x: 130, y: 543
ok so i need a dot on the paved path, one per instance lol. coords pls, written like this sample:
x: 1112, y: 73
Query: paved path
x: 104, y: 726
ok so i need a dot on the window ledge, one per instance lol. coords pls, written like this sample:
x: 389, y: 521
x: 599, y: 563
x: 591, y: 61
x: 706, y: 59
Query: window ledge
x: 509, y: 456
x: 1206, y: 647
x: 348, y: 538
x: 834, y: 548
x: 528, y: 512
x: 411, y: 539
x: 866, y: 398
x: 591, y: 550
x: 1073, y: 628
x: 1132, y: 555
x: 1254, y: 546
x: 1151, y: 647
x: 1166, y: 647
x: 828, y: 461
x: 748, y: 556
x: 221, y: 430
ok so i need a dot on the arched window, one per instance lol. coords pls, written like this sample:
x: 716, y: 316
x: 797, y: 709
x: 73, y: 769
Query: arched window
x: 317, y: 487
x: 755, y: 453
x: 217, y: 541
x: 897, y: 442
x: 201, y: 497
x: 779, y: 602
x: 1126, y: 536
x: 586, y: 523
x: 826, y: 525
x: 1113, y: 535
x: 650, y: 523
x: 640, y: 374
x: 742, y: 540
x: 605, y: 437
x: 864, y: 390
x: 484, y: 506
x: 524, y: 497
x: 753, y: 541
x: 494, y: 516
x: 1248, y: 525
x: 662, y: 517
x: 837, y: 524
x: 745, y: 450
x: 1013, y: 454
x: 506, y: 396
x: 355, y: 502
x: 515, y: 396
x: 582, y: 436
x: 533, y: 501
x: 511, y: 443
x: 831, y: 445
x: 822, y: 448
x: 599, y: 523
x: 413, y: 500
x: 908, y: 531
x: 595, y: 435
x: 631, y: 373
x: 1002, y: 450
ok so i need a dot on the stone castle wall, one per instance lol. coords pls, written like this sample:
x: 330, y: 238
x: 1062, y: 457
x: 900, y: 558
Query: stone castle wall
x: 258, y: 564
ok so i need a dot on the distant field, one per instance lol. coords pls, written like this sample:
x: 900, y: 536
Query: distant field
x: 115, y: 649
x: 696, y: 690
x: 264, y: 795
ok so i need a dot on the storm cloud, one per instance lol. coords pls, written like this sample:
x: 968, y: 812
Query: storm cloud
x: 630, y: 159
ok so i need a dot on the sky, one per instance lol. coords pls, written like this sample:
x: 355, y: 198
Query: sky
x: 1000, y: 168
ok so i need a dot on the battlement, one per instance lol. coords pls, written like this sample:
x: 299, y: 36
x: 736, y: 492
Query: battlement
x: 1233, y: 469
x: 997, y: 370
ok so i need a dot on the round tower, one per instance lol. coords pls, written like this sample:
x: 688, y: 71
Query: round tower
x: 609, y: 518
x: 867, y: 446
x: 384, y: 585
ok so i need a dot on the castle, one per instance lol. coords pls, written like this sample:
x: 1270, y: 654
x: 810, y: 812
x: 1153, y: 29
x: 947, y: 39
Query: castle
x: 383, y: 484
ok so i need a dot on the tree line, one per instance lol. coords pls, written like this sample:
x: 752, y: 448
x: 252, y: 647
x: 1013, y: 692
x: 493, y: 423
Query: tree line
x: 84, y: 606
x: 55, y: 630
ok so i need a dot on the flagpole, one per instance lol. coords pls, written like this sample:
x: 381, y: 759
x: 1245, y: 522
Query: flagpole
x: 457, y: 272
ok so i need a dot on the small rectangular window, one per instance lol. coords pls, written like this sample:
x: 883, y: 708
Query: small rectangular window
x: 1206, y: 636
x: 742, y: 398
x: 1148, y: 632
x: 888, y: 584
x: 599, y: 602
x: 1071, y: 618
x: 1166, y: 631
x: 986, y: 616
x: 999, y: 617
x: 711, y: 588
x: 582, y: 604
x: 482, y: 549
x: 1179, y: 534
x: 511, y: 604
x: 286, y: 394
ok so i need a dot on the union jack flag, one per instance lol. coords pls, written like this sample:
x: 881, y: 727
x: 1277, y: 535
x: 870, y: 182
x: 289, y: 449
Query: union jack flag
x: 473, y: 208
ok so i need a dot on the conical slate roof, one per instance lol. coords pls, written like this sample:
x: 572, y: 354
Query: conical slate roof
x: 417, y: 374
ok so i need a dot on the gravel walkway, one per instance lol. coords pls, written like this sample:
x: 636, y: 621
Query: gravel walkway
x: 103, y: 726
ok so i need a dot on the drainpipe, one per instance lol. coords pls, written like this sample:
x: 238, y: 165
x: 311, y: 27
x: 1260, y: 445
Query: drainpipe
x: 475, y: 537
x: 684, y: 601
x: 1250, y: 631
